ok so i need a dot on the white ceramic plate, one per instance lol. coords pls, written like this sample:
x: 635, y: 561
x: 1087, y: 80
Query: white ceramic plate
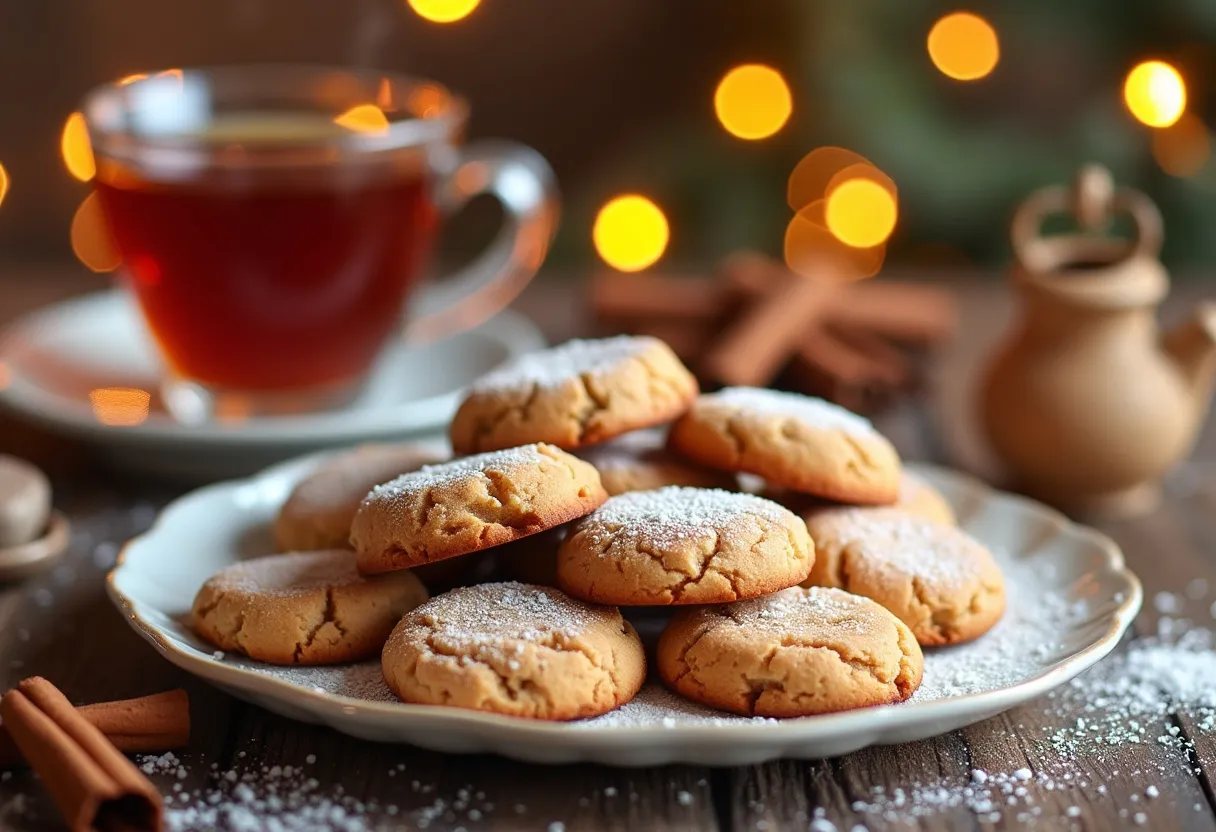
x: 1070, y: 600
x: 51, y: 360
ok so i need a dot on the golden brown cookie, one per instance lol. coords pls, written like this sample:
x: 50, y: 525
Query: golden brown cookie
x: 470, y: 504
x: 576, y: 394
x: 515, y: 649
x: 940, y: 581
x: 303, y: 608
x: 639, y: 461
x: 683, y: 546
x: 319, y: 510
x: 792, y: 441
x: 917, y: 496
x: 798, y: 652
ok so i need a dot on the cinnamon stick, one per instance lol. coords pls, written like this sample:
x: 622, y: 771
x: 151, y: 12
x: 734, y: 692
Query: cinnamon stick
x: 159, y: 722
x: 92, y: 783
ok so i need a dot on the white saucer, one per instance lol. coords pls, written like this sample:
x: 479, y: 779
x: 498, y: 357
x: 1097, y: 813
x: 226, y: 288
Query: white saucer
x: 1070, y: 600
x: 51, y: 360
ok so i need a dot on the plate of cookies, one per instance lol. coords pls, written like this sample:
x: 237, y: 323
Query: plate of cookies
x: 608, y: 565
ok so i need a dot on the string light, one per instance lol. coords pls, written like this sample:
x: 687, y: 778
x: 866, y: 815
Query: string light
x: 443, y: 11
x: 810, y: 246
x: 630, y: 233
x: 964, y: 46
x: 120, y: 406
x: 76, y: 149
x: 363, y: 118
x: 860, y: 213
x: 1183, y: 148
x: 810, y: 177
x: 91, y: 240
x: 753, y: 101
x: 1155, y: 93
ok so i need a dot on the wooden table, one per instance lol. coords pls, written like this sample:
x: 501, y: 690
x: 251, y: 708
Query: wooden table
x: 60, y: 625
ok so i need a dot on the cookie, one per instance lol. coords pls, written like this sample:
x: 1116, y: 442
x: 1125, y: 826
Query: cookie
x: 798, y: 652
x: 303, y: 608
x: 683, y: 546
x: 916, y: 496
x: 639, y: 461
x: 319, y: 510
x: 940, y: 581
x: 515, y: 649
x: 470, y: 504
x: 576, y: 394
x: 792, y: 441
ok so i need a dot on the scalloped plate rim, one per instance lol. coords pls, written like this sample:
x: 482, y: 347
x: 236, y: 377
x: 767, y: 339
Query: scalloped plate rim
x: 499, y: 732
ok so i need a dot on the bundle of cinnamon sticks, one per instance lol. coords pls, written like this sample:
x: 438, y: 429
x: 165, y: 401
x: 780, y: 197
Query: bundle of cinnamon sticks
x: 78, y: 751
x: 754, y: 322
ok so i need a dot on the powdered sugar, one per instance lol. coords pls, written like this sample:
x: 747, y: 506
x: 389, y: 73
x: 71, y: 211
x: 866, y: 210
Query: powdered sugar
x: 666, y: 517
x: 297, y: 573
x: 430, y: 476
x: 809, y: 410
x: 560, y: 364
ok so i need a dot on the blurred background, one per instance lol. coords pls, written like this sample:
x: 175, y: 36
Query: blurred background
x: 966, y: 114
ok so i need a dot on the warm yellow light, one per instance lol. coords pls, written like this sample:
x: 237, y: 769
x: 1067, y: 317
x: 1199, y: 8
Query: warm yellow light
x: 813, y: 251
x: 810, y: 178
x: 630, y: 233
x: 1155, y: 93
x: 363, y: 118
x: 91, y: 240
x: 1183, y: 148
x: 443, y: 11
x: 753, y: 101
x: 120, y: 406
x: 964, y: 46
x: 3, y: 182
x: 860, y: 213
x: 132, y: 78
x: 76, y: 149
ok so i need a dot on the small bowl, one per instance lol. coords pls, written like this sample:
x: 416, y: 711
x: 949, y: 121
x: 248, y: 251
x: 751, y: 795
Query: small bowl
x: 28, y: 558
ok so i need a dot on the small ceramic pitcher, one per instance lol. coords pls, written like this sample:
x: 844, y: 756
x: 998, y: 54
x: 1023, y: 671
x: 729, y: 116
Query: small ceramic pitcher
x: 1083, y: 403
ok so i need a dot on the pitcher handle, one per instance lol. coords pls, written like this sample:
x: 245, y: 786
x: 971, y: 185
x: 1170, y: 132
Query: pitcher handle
x: 522, y: 181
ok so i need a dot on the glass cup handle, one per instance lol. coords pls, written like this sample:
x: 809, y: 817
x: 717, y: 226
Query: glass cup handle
x: 523, y: 182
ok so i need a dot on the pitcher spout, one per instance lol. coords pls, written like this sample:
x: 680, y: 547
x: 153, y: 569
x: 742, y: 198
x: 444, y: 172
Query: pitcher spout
x: 1193, y: 349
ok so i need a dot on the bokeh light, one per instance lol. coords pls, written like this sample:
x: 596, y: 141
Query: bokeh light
x: 363, y: 118
x: 813, y: 251
x: 1183, y: 148
x: 76, y: 149
x: 861, y: 213
x: 3, y: 183
x: 91, y: 240
x: 810, y: 177
x: 443, y: 11
x: 753, y: 101
x: 1155, y: 93
x: 132, y: 78
x: 120, y: 406
x: 964, y: 46
x: 630, y: 233
x: 863, y: 170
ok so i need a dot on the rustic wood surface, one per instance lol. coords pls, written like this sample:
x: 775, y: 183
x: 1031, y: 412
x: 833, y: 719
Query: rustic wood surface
x: 60, y: 625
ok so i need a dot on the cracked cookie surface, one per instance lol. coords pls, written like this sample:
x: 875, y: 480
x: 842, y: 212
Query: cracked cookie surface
x: 639, y: 461
x: 792, y: 441
x: 797, y: 652
x: 302, y: 608
x: 515, y: 649
x: 319, y: 510
x: 471, y: 504
x: 680, y: 545
x: 576, y: 394
x: 940, y: 581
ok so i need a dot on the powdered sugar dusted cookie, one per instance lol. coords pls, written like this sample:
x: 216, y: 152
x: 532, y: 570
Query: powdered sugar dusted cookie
x: 319, y: 510
x: 916, y: 496
x: 515, y: 649
x: 470, y: 504
x: 792, y: 441
x: 640, y: 461
x: 940, y: 581
x: 303, y: 608
x: 683, y: 546
x: 576, y: 394
x: 798, y: 652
